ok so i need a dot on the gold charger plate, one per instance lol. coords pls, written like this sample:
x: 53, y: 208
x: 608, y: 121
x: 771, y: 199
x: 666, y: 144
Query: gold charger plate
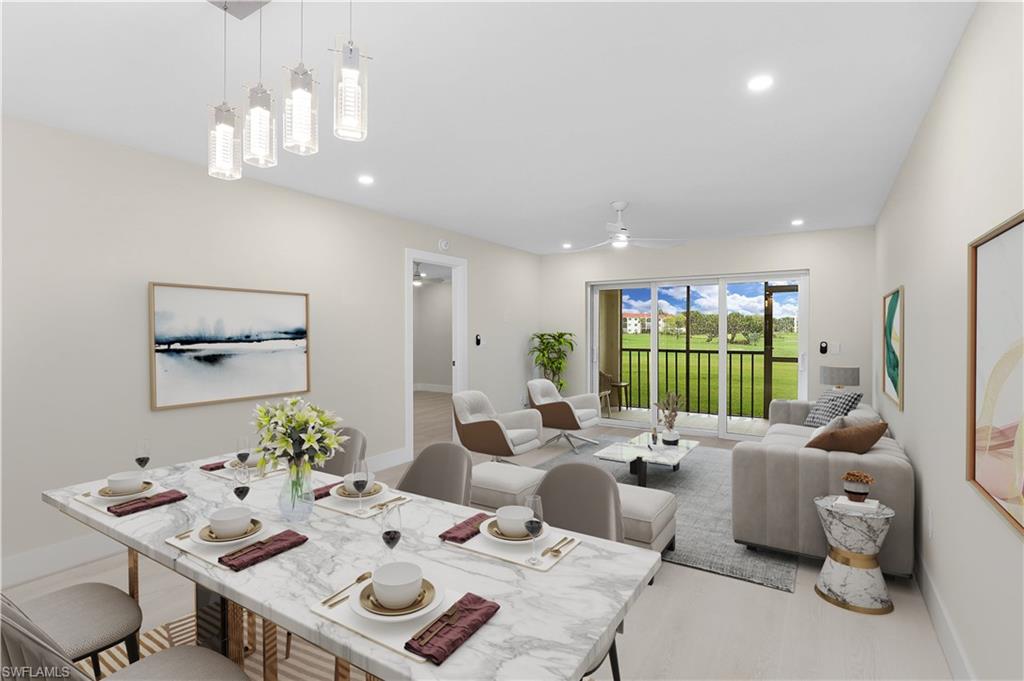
x: 492, y: 529
x: 207, y: 535
x: 370, y: 604
x: 107, y: 494
x: 372, y: 492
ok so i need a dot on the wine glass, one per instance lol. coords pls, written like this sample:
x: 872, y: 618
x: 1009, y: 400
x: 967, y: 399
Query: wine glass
x: 143, y: 453
x: 360, y: 477
x: 535, y: 525
x: 242, y: 473
x: 391, y: 527
x: 242, y: 491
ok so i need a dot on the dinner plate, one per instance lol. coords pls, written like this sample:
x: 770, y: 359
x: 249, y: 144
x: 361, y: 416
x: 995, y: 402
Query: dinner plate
x: 340, y: 492
x: 105, y: 493
x: 489, y: 528
x: 199, y: 535
x: 357, y: 607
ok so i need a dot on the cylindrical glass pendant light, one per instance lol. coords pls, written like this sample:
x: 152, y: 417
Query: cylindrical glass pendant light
x: 224, y: 135
x: 301, y: 128
x: 259, y: 141
x: 350, y: 96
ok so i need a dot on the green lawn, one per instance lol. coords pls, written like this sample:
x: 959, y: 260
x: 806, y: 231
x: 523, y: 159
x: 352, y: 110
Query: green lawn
x: 673, y: 377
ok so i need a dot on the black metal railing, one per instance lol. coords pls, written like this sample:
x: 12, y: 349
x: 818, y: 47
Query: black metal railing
x: 693, y: 375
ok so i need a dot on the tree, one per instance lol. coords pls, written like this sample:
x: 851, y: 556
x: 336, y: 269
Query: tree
x: 550, y: 351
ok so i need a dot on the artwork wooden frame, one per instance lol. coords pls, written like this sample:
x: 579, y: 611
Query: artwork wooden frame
x: 187, y: 359
x: 995, y: 358
x: 893, y: 357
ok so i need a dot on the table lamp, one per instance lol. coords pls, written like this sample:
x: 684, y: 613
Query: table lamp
x: 840, y: 376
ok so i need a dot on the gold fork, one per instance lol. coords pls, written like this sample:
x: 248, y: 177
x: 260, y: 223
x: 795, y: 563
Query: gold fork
x: 556, y: 546
x: 387, y: 503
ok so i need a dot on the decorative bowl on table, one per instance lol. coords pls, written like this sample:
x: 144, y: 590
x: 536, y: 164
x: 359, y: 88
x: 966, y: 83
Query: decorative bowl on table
x: 396, y: 586
x: 129, y: 482
x: 512, y: 521
x: 490, y: 528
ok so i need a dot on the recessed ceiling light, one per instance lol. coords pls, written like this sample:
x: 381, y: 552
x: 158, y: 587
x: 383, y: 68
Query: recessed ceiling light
x: 567, y: 245
x: 760, y: 83
x: 799, y: 222
x: 366, y: 180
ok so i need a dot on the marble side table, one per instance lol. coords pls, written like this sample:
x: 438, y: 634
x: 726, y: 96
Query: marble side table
x: 850, y: 577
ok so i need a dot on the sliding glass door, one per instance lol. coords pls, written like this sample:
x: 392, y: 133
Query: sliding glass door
x: 724, y: 346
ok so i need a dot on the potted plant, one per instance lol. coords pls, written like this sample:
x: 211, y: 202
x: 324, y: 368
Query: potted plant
x: 298, y: 435
x: 550, y: 351
x: 669, y: 411
x: 857, y: 484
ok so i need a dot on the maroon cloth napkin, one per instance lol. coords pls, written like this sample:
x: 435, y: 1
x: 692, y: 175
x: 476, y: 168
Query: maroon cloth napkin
x: 321, y: 492
x: 466, y: 530
x: 146, y: 503
x: 473, y: 612
x: 261, y: 550
x: 215, y: 466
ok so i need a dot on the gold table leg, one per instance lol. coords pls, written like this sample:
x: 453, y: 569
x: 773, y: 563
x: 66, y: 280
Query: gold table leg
x: 269, y: 650
x: 236, y: 647
x: 250, y: 631
x: 133, y: 582
x: 342, y: 670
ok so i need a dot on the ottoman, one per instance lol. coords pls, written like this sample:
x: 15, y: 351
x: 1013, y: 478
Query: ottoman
x: 648, y: 517
x: 498, y: 484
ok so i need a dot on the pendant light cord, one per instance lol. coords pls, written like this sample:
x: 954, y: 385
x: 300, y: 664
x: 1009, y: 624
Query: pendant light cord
x: 351, y: 29
x: 302, y: 26
x: 261, y: 47
x: 225, y: 86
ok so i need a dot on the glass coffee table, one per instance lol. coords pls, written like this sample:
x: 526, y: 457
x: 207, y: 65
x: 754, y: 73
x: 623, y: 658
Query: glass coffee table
x: 638, y: 452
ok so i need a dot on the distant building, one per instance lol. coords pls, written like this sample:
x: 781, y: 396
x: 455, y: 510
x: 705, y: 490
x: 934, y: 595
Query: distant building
x: 640, y: 322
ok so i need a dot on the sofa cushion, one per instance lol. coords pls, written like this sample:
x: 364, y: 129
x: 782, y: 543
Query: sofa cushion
x: 520, y: 436
x: 856, y: 439
x: 831, y: 404
x: 645, y: 512
x: 584, y: 415
x: 835, y: 423
x: 498, y: 484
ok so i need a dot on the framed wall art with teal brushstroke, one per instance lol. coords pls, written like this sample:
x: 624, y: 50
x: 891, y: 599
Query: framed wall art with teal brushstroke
x: 995, y: 361
x: 893, y: 360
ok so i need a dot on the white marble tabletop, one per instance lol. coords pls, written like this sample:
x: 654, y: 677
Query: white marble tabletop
x: 639, y: 447
x: 551, y: 625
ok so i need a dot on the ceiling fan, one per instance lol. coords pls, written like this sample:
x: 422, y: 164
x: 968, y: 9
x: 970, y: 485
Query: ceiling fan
x: 619, y: 235
x: 419, y: 277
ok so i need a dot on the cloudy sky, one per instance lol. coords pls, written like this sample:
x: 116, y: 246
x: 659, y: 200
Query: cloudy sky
x: 746, y: 298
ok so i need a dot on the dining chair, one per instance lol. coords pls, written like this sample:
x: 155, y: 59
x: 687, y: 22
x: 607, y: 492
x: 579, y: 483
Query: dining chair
x: 482, y: 429
x: 443, y: 470
x: 584, y: 498
x: 86, y: 619
x: 566, y: 414
x: 24, y: 643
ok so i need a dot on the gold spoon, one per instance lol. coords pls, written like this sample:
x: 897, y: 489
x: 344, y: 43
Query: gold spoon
x: 359, y: 580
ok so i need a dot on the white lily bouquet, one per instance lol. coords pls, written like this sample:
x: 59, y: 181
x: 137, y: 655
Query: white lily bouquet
x: 298, y: 434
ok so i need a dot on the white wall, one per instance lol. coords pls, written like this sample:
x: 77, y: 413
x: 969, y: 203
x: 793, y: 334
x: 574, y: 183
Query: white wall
x: 962, y: 177
x: 432, y: 336
x: 87, y: 224
x: 841, y: 265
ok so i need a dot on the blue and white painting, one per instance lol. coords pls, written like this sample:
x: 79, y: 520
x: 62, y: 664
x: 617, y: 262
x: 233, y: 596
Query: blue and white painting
x: 214, y: 344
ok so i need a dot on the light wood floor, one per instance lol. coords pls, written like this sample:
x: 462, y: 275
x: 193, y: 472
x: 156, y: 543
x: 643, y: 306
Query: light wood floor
x: 689, y: 625
x: 432, y: 419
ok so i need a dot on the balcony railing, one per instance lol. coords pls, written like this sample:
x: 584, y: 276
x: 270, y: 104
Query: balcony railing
x: 693, y: 375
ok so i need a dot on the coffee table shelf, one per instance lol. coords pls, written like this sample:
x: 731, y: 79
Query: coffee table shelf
x: 639, y: 453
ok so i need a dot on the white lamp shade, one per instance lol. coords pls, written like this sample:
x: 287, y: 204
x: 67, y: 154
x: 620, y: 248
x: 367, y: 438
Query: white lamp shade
x: 840, y: 375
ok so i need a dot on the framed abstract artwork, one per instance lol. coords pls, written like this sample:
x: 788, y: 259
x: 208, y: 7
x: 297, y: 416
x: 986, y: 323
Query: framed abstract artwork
x: 995, y: 363
x: 892, y: 346
x: 209, y: 344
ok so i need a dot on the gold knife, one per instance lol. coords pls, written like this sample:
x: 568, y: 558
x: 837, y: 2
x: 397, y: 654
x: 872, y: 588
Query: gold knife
x: 451, y: 620
x: 555, y: 546
x: 244, y: 550
x: 447, y: 613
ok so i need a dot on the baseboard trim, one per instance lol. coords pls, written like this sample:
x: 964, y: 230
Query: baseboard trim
x: 63, y: 555
x: 395, y: 457
x: 959, y: 665
x: 432, y: 388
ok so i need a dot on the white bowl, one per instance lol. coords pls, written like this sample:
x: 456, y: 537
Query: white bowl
x: 512, y: 519
x: 351, y: 477
x: 397, y: 585
x: 126, y: 483
x: 231, y: 521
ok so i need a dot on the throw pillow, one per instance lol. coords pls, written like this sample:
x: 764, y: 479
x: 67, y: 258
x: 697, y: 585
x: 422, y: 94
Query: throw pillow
x: 830, y: 405
x: 856, y: 439
x: 837, y: 422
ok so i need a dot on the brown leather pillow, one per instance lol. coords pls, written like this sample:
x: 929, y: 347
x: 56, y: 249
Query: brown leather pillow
x: 857, y: 439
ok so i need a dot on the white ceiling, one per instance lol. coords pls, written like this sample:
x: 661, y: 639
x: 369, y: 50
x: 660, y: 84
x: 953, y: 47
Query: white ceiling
x: 518, y: 123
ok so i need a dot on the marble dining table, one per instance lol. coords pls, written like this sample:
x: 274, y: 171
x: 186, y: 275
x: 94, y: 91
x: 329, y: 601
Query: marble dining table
x: 551, y: 625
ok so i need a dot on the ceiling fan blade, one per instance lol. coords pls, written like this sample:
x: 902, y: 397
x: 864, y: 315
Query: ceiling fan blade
x: 656, y: 243
x: 586, y: 248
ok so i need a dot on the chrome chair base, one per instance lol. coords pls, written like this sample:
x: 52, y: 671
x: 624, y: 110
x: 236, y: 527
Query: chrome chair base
x: 569, y: 437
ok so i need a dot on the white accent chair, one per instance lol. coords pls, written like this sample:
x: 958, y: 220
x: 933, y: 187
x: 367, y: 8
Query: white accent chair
x: 564, y: 413
x: 482, y: 429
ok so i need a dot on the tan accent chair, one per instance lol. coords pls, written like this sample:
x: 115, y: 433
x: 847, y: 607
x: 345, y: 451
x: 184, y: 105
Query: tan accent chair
x: 564, y: 413
x: 443, y: 470
x: 585, y: 499
x: 23, y: 643
x: 482, y: 429
x: 354, y: 449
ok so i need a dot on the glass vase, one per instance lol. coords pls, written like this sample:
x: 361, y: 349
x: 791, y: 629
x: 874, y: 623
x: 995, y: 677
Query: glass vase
x: 296, y: 498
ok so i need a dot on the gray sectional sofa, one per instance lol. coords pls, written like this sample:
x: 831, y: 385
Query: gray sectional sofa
x: 775, y: 481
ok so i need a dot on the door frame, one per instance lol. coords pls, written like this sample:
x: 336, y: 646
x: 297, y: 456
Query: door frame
x: 460, y: 326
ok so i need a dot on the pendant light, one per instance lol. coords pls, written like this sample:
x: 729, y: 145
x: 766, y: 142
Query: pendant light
x: 417, y: 276
x: 301, y: 132
x: 224, y: 138
x: 350, y: 96
x: 259, y: 139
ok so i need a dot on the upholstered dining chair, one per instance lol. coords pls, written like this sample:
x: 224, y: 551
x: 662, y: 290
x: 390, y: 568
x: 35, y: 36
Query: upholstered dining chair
x: 353, y: 450
x: 443, y: 470
x: 566, y: 414
x: 24, y: 643
x: 585, y: 499
x: 482, y: 429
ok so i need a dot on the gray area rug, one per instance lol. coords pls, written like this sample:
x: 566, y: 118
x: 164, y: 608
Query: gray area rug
x: 703, y: 488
